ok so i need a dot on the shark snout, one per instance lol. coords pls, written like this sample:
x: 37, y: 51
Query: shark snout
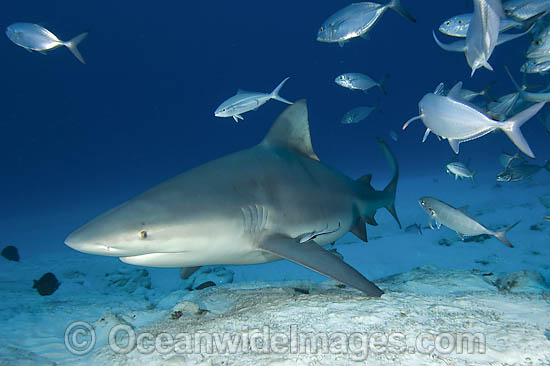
x: 78, y: 242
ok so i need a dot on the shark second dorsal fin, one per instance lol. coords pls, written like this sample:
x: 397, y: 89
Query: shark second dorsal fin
x: 291, y: 131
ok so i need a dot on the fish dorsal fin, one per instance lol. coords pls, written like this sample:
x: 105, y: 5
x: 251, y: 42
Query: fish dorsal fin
x: 439, y: 89
x: 454, y: 93
x: 291, y: 131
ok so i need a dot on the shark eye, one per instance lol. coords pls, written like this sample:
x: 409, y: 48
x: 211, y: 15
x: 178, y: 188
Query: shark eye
x: 143, y: 234
x: 460, y: 22
x: 423, y: 203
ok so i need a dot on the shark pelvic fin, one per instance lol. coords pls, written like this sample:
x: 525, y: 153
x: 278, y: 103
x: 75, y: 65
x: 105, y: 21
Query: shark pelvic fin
x: 312, y: 256
x: 291, y: 131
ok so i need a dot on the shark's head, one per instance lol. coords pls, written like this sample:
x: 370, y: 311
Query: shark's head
x: 122, y: 231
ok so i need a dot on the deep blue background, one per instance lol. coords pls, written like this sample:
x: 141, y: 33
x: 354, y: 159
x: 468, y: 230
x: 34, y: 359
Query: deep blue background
x: 77, y: 139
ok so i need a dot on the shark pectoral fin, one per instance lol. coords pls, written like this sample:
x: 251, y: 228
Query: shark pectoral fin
x: 360, y: 230
x: 454, y: 145
x: 187, y: 272
x: 312, y: 256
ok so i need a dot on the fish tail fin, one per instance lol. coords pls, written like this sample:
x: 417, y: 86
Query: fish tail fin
x: 547, y: 165
x: 512, y: 128
x: 501, y: 235
x: 275, y: 92
x: 473, y: 173
x: 391, y: 188
x: 396, y: 5
x: 73, y: 43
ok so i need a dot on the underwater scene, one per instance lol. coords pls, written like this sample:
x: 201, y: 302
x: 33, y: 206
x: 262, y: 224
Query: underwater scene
x: 275, y: 183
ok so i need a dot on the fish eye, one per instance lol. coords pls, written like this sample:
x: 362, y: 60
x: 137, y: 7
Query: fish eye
x: 448, y: 22
x: 321, y: 29
x: 143, y: 234
x: 460, y: 22
x: 538, y: 42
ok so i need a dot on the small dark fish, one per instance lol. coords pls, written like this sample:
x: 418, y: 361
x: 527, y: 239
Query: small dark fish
x: 47, y: 284
x: 547, y: 218
x: 10, y: 253
x: 413, y: 228
x: 205, y: 285
x: 487, y: 274
x: 521, y: 172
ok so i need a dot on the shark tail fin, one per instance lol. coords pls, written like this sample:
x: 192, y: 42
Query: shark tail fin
x: 73, y: 43
x: 391, y: 188
x: 275, y: 92
x: 501, y: 235
x: 397, y: 7
x: 512, y: 128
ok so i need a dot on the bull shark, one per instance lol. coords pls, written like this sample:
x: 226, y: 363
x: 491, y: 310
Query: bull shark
x: 273, y: 201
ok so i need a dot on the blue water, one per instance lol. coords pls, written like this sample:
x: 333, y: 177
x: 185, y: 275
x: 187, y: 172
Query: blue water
x: 77, y: 139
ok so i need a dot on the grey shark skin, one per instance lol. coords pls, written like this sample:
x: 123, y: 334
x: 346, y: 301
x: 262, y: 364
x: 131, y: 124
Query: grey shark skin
x: 273, y: 201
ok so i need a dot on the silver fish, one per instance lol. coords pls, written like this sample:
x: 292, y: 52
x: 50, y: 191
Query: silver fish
x: 458, y: 220
x: 521, y: 172
x: 458, y: 121
x: 358, y: 81
x: 536, y: 66
x: 457, y: 26
x: 33, y: 37
x: 393, y: 135
x: 356, y: 115
x: 547, y: 218
x: 355, y: 20
x: 245, y: 101
x: 529, y: 9
x: 528, y: 96
x: 482, y: 36
x: 459, y: 169
x: 469, y: 95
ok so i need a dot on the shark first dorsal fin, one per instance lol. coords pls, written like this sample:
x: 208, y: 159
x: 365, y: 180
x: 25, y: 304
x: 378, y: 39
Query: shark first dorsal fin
x: 291, y: 131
